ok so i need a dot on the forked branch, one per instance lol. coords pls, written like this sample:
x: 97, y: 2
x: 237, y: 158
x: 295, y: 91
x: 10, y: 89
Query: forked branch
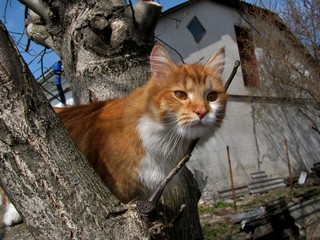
x: 39, y: 8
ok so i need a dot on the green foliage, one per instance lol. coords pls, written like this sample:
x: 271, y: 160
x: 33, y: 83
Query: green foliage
x: 212, y: 232
x: 222, y: 204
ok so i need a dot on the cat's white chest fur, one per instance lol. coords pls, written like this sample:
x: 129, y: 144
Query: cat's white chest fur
x: 162, y: 151
x: 11, y: 217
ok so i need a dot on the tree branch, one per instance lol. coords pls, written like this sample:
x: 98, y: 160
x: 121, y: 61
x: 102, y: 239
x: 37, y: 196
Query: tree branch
x: 39, y: 8
x: 146, y: 208
x: 157, y: 194
x: 144, y: 16
x: 42, y: 171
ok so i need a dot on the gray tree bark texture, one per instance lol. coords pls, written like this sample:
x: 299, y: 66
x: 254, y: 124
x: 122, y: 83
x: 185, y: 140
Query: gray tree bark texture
x: 104, y: 47
x: 42, y: 171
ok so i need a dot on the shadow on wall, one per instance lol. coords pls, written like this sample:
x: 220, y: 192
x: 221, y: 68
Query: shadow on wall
x: 256, y: 136
x: 276, y: 123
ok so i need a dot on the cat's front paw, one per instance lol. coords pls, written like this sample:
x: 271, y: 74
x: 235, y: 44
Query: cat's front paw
x: 11, y: 216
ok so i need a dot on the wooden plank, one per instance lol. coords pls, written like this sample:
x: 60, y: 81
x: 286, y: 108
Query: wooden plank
x: 261, y: 174
x: 265, y: 182
x: 239, y: 191
x: 268, y: 188
x: 307, y: 211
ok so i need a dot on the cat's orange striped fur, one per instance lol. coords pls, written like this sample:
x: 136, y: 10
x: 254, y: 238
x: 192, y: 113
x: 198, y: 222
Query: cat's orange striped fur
x: 133, y: 142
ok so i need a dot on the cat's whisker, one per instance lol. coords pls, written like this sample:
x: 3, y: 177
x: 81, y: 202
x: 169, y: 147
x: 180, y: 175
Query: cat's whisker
x: 173, y: 122
x: 174, y: 139
x: 178, y: 139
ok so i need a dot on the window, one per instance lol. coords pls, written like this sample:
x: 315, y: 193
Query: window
x: 247, y: 57
x: 196, y: 29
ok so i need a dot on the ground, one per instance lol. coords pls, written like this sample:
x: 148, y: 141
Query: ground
x: 219, y: 220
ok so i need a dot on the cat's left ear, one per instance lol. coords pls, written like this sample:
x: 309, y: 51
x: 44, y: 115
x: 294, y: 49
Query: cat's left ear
x: 160, y: 62
x: 216, y: 63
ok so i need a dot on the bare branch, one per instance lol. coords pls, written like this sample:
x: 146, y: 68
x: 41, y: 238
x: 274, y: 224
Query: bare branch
x: 144, y: 16
x: 146, y: 208
x: 39, y: 8
x: 133, y: 16
x: 173, y: 49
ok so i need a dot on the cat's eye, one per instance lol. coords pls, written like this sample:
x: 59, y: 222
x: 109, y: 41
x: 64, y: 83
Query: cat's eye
x: 181, y: 95
x: 212, y: 97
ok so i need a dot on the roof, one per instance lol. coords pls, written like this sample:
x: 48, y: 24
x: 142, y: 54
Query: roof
x: 251, y: 9
x: 230, y: 3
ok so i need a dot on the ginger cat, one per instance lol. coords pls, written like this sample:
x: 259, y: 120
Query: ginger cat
x: 133, y: 142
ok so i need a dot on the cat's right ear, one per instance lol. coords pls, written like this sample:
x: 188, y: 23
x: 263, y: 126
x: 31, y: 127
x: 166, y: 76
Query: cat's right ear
x: 216, y: 63
x: 160, y: 62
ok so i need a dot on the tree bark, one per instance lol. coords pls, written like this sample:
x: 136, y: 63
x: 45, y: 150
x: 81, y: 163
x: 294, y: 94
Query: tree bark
x: 183, y: 190
x: 56, y: 191
x: 104, y: 47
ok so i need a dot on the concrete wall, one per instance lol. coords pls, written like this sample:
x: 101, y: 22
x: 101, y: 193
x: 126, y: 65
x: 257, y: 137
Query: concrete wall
x: 255, y: 134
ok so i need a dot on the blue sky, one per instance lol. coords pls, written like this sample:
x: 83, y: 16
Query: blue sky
x: 12, y: 15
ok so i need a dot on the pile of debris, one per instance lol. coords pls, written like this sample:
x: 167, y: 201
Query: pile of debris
x: 283, y: 218
x: 260, y: 183
x: 293, y: 215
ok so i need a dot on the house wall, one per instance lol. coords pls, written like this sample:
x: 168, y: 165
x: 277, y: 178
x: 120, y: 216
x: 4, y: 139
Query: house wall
x: 255, y: 134
x: 253, y: 130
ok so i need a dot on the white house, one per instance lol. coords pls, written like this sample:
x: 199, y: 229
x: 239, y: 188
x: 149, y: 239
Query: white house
x: 192, y: 32
x: 255, y: 128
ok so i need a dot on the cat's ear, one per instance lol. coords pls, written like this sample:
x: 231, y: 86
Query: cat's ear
x: 160, y: 62
x: 216, y: 63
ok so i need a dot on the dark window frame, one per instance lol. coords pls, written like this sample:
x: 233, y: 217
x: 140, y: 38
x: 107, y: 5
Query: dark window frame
x: 196, y: 29
x: 248, y: 58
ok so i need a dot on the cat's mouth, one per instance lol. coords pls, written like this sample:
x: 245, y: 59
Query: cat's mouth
x: 197, y: 124
x: 195, y: 129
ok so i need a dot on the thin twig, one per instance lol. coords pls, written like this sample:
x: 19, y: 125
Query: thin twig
x: 166, y: 44
x: 43, y: 53
x: 233, y: 73
x: 25, y: 18
x: 133, y: 15
x: 157, y: 194
x: 175, y: 219
x: 5, y: 11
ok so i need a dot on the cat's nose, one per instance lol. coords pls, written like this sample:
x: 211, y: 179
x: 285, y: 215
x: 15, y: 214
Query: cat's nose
x: 201, y: 113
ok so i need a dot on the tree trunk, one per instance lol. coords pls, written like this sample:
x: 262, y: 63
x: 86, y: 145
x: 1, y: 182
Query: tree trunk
x: 56, y: 191
x: 104, y: 47
x: 183, y: 190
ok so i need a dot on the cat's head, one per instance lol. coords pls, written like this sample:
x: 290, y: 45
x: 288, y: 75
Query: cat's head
x: 189, y: 99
